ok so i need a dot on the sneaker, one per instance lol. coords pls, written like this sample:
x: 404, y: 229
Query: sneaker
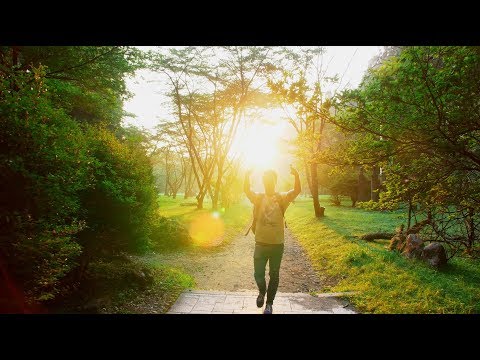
x: 260, y: 300
x: 268, y: 309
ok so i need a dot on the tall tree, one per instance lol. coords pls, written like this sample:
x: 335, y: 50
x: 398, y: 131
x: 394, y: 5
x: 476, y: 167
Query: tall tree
x: 210, y: 90
x: 299, y: 84
x: 417, y: 115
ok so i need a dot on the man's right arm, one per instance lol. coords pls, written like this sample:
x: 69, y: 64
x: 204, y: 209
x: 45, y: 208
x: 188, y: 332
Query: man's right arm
x: 246, y: 187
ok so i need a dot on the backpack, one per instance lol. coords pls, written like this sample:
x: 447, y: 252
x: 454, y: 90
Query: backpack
x: 256, y: 209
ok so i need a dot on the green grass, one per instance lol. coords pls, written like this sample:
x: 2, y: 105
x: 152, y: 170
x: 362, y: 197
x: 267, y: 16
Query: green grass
x: 386, y: 281
x: 235, y: 218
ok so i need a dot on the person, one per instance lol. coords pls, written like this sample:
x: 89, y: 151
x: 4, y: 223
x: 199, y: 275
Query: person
x: 269, y: 230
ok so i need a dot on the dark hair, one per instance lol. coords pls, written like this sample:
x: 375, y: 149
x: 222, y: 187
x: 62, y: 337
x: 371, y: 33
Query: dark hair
x: 270, y: 173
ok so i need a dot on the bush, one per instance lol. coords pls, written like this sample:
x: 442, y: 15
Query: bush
x: 376, y: 206
x: 169, y: 233
x: 122, y: 201
x: 74, y: 184
x: 335, y: 200
x: 103, y: 275
x: 43, y: 168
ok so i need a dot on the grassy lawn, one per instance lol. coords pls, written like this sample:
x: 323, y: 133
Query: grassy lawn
x: 235, y: 219
x: 387, y: 282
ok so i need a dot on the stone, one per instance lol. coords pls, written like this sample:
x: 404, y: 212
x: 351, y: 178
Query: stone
x: 435, y: 255
x: 398, y: 240
x: 322, y: 211
x: 413, y: 247
x: 95, y: 306
x: 142, y: 277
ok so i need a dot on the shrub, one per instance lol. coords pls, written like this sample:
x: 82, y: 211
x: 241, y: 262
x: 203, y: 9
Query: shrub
x: 122, y: 200
x: 43, y: 168
x: 335, y: 200
x: 169, y: 233
x: 376, y: 206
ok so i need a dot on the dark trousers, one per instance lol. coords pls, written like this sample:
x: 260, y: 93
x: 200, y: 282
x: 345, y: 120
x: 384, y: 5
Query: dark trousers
x: 273, y: 255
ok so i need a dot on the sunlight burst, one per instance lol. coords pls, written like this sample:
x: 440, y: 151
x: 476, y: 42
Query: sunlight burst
x: 207, y: 229
x: 258, y: 145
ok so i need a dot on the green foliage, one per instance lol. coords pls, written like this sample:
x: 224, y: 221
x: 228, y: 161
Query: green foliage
x: 340, y: 181
x: 416, y: 116
x: 376, y: 205
x: 122, y: 202
x: 43, y: 167
x: 116, y: 273
x: 73, y: 181
x: 169, y: 233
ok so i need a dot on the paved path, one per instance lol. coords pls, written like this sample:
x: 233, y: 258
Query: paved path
x: 244, y: 302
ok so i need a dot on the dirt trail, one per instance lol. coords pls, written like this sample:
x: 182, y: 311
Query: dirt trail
x: 231, y: 268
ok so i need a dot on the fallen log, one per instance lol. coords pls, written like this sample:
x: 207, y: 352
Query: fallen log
x: 374, y: 236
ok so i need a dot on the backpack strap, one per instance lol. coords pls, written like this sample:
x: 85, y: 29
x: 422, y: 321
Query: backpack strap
x: 279, y: 200
x: 256, y: 209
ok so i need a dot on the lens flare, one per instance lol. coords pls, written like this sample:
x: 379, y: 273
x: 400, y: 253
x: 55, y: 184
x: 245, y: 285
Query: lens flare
x: 207, y: 229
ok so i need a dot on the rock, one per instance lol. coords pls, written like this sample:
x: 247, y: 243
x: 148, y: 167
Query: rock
x: 397, y: 243
x: 143, y: 277
x: 413, y: 247
x: 435, y: 255
x: 322, y: 211
x: 93, y: 306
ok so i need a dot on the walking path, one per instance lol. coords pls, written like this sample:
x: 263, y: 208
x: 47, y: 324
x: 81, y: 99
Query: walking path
x: 231, y: 268
x: 225, y: 302
x: 225, y: 283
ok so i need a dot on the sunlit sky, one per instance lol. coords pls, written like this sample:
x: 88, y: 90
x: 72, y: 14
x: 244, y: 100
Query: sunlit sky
x: 259, y: 145
x: 149, y: 102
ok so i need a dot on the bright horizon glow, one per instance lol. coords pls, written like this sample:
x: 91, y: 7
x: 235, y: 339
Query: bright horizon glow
x: 258, y: 145
x: 148, y: 102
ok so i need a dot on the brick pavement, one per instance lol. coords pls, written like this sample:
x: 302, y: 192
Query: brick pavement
x: 244, y: 302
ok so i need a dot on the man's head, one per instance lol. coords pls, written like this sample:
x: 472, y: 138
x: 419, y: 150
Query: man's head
x: 269, y: 181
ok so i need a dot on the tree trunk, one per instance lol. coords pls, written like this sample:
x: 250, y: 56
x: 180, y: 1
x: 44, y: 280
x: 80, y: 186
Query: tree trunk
x: 216, y: 193
x: 188, y: 185
x: 200, y: 198
x: 215, y: 201
x: 409, y: 214
x: 471, y: 230
x: 363, y: 186
x: 166, y: 175
x: 353, y: 197
x: 319, y: 210
x: 309, y: 178
x: 166, y: 189
x: 375, y: 183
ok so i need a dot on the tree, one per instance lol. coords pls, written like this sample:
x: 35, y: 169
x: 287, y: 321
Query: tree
x: 73, y: 181
x: 299, y: 84
x: 417, y: 115
x: 210, y: 90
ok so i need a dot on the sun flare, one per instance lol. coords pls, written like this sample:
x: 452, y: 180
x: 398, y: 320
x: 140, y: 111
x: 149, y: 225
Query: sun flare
x: 258, y: 145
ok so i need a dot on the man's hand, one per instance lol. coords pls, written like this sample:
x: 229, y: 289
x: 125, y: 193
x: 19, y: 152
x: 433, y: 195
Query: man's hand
x: 293, y: 171
x: 246, y: 186
x: 292, y: 194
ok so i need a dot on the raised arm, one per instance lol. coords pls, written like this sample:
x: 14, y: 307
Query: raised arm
x: 292, y: 194
x: 246, y: 187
